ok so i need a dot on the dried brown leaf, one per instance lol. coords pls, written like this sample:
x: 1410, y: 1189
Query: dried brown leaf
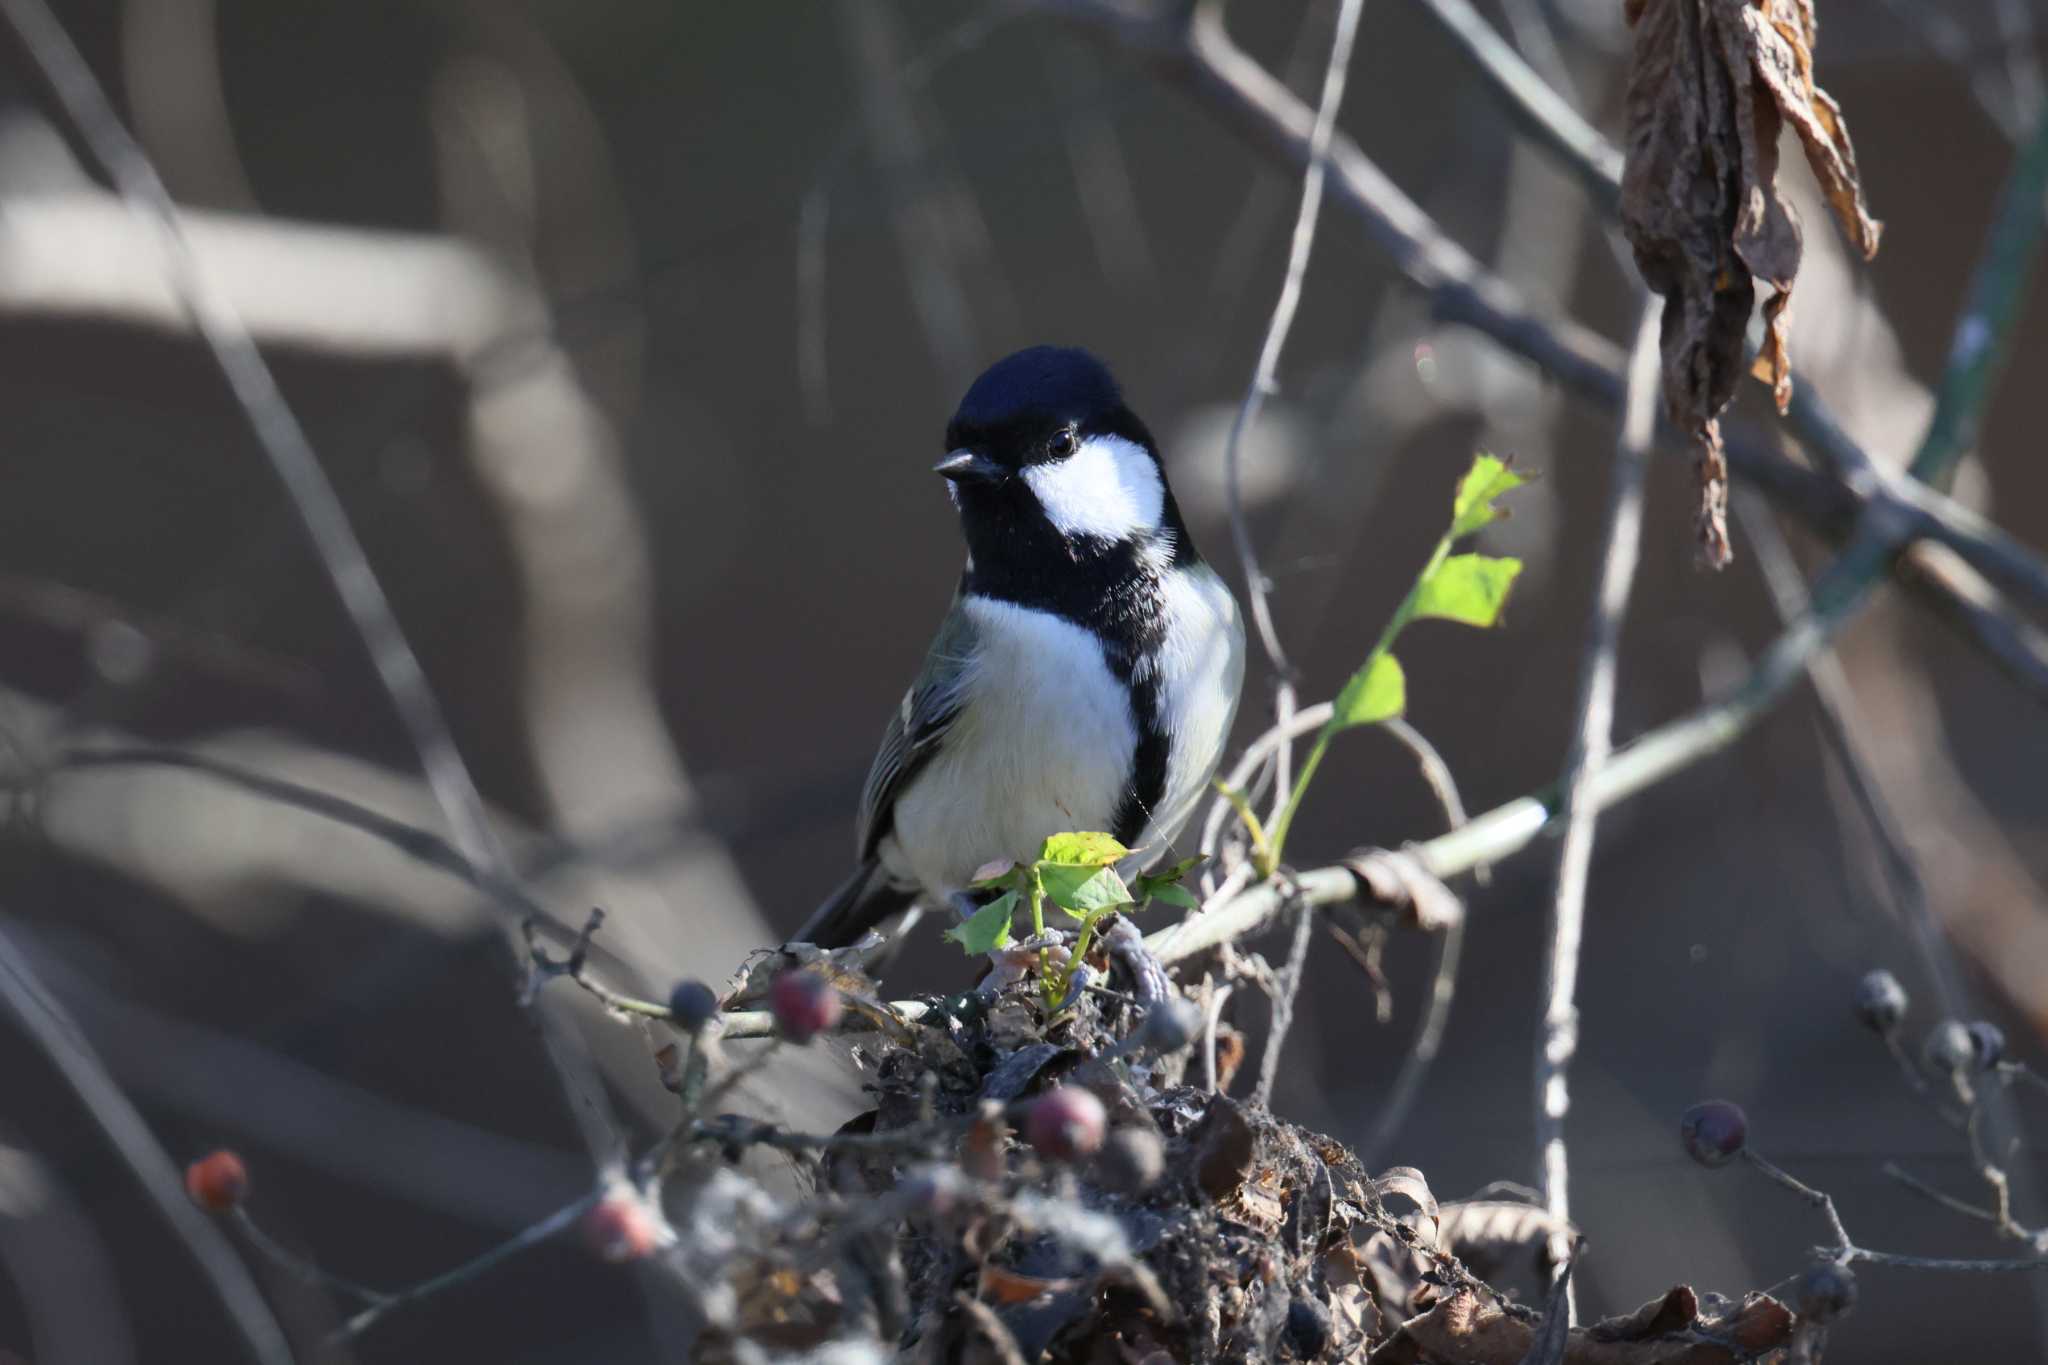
x: 1408, y: 1183
x: 1711, y: 84
x: 1668, y: 1331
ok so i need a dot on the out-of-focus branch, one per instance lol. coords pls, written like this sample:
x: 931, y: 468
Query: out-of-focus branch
x: 1193, y: 50
x: 1538, y: 110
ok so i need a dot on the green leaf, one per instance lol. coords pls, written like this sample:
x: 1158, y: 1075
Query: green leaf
x: 1083, y: 850
x: 1377, y: 692
x: 989, y: 929
x: 1171, y: 874
x: 1083, y: 891
x: 1470, y: 589
x: 1173, y: 893
x: 1473, y: 507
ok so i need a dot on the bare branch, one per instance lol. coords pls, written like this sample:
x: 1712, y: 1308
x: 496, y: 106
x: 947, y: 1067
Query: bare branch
x: 1592, y: 743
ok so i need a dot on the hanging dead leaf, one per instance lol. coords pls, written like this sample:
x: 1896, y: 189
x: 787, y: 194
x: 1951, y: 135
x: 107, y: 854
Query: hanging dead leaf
x: 1711, y: 84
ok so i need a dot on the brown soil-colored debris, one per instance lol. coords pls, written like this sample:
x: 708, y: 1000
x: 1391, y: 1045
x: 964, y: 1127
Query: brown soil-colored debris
x: 1260, y: 1241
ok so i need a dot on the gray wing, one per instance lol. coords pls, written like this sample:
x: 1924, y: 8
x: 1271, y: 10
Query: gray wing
x: 918, y: 728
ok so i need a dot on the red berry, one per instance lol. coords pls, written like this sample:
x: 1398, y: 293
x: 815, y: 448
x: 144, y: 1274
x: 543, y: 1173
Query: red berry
x: 1066, y: 1123
x: 804, y: 1004
x: 619, y: 1228
x: 1714, y: 1131
x: 217, y: 1182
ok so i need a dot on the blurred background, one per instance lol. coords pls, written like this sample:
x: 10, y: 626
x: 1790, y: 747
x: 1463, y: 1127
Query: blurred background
x: 628, y: 330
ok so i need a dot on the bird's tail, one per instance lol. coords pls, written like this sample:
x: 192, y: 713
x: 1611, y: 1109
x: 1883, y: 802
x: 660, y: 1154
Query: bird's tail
x: 862, y: 902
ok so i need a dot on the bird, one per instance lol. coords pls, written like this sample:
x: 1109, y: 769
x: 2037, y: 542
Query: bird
x: 1086, y: 673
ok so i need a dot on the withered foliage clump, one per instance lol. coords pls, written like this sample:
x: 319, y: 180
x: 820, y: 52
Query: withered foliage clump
x: 1711, y: 84
x: 936, y: 1232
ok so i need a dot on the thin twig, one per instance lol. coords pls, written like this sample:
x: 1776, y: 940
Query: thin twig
x: 469, y: 1270
x: 1818, y: 1198
x: 1443, y: 984
x: 1593, y: 742
x: 1989, y: 1267
x: 298, y: 1265
x: 1266, y: 375
x: 1947, y: 1201
x: 59, y: 1038
x: 1284, y: 1000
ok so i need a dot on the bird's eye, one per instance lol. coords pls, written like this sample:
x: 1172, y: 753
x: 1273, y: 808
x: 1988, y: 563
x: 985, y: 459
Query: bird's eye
x: 1062, y: 443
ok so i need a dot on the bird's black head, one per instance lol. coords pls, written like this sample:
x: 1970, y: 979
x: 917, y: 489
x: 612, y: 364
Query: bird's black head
x: 1053, y: 475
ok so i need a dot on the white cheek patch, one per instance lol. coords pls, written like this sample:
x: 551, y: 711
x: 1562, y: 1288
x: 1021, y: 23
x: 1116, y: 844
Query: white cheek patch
x: 1109, y: 488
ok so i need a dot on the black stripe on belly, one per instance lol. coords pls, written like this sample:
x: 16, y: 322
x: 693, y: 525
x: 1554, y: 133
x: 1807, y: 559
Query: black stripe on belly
x: 1148, y: 765
x: 1112, y: 589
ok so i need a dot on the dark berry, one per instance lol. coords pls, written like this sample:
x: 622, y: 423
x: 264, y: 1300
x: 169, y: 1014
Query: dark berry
x: 804, y: 1004
x: 1169, y: 1026
x: 619, y: 1227
x: 1131, y: 1162
x: 1308, y: 1326
x: 1826, y: 1291
x: 1880, y: 1002
x: 1066, y: 1123
x: 1987, y: 1042
x: 693, y: 1004
x: 1713, y: 1132
x: 217, y: 1182
x: 1949, y: 1049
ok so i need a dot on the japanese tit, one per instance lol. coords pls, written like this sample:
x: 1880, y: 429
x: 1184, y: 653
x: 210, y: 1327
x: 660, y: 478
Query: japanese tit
x: 1087, y: 672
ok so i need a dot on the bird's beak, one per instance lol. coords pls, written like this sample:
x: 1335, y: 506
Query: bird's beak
x: 964, y: 466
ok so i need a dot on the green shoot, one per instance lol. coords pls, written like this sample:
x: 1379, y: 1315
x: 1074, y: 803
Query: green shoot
x: 1077, y: 874
x: 1470, y: 589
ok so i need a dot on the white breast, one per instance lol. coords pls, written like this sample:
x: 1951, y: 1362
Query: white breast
x: 1043, y: 745
x: 1202, y: 661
